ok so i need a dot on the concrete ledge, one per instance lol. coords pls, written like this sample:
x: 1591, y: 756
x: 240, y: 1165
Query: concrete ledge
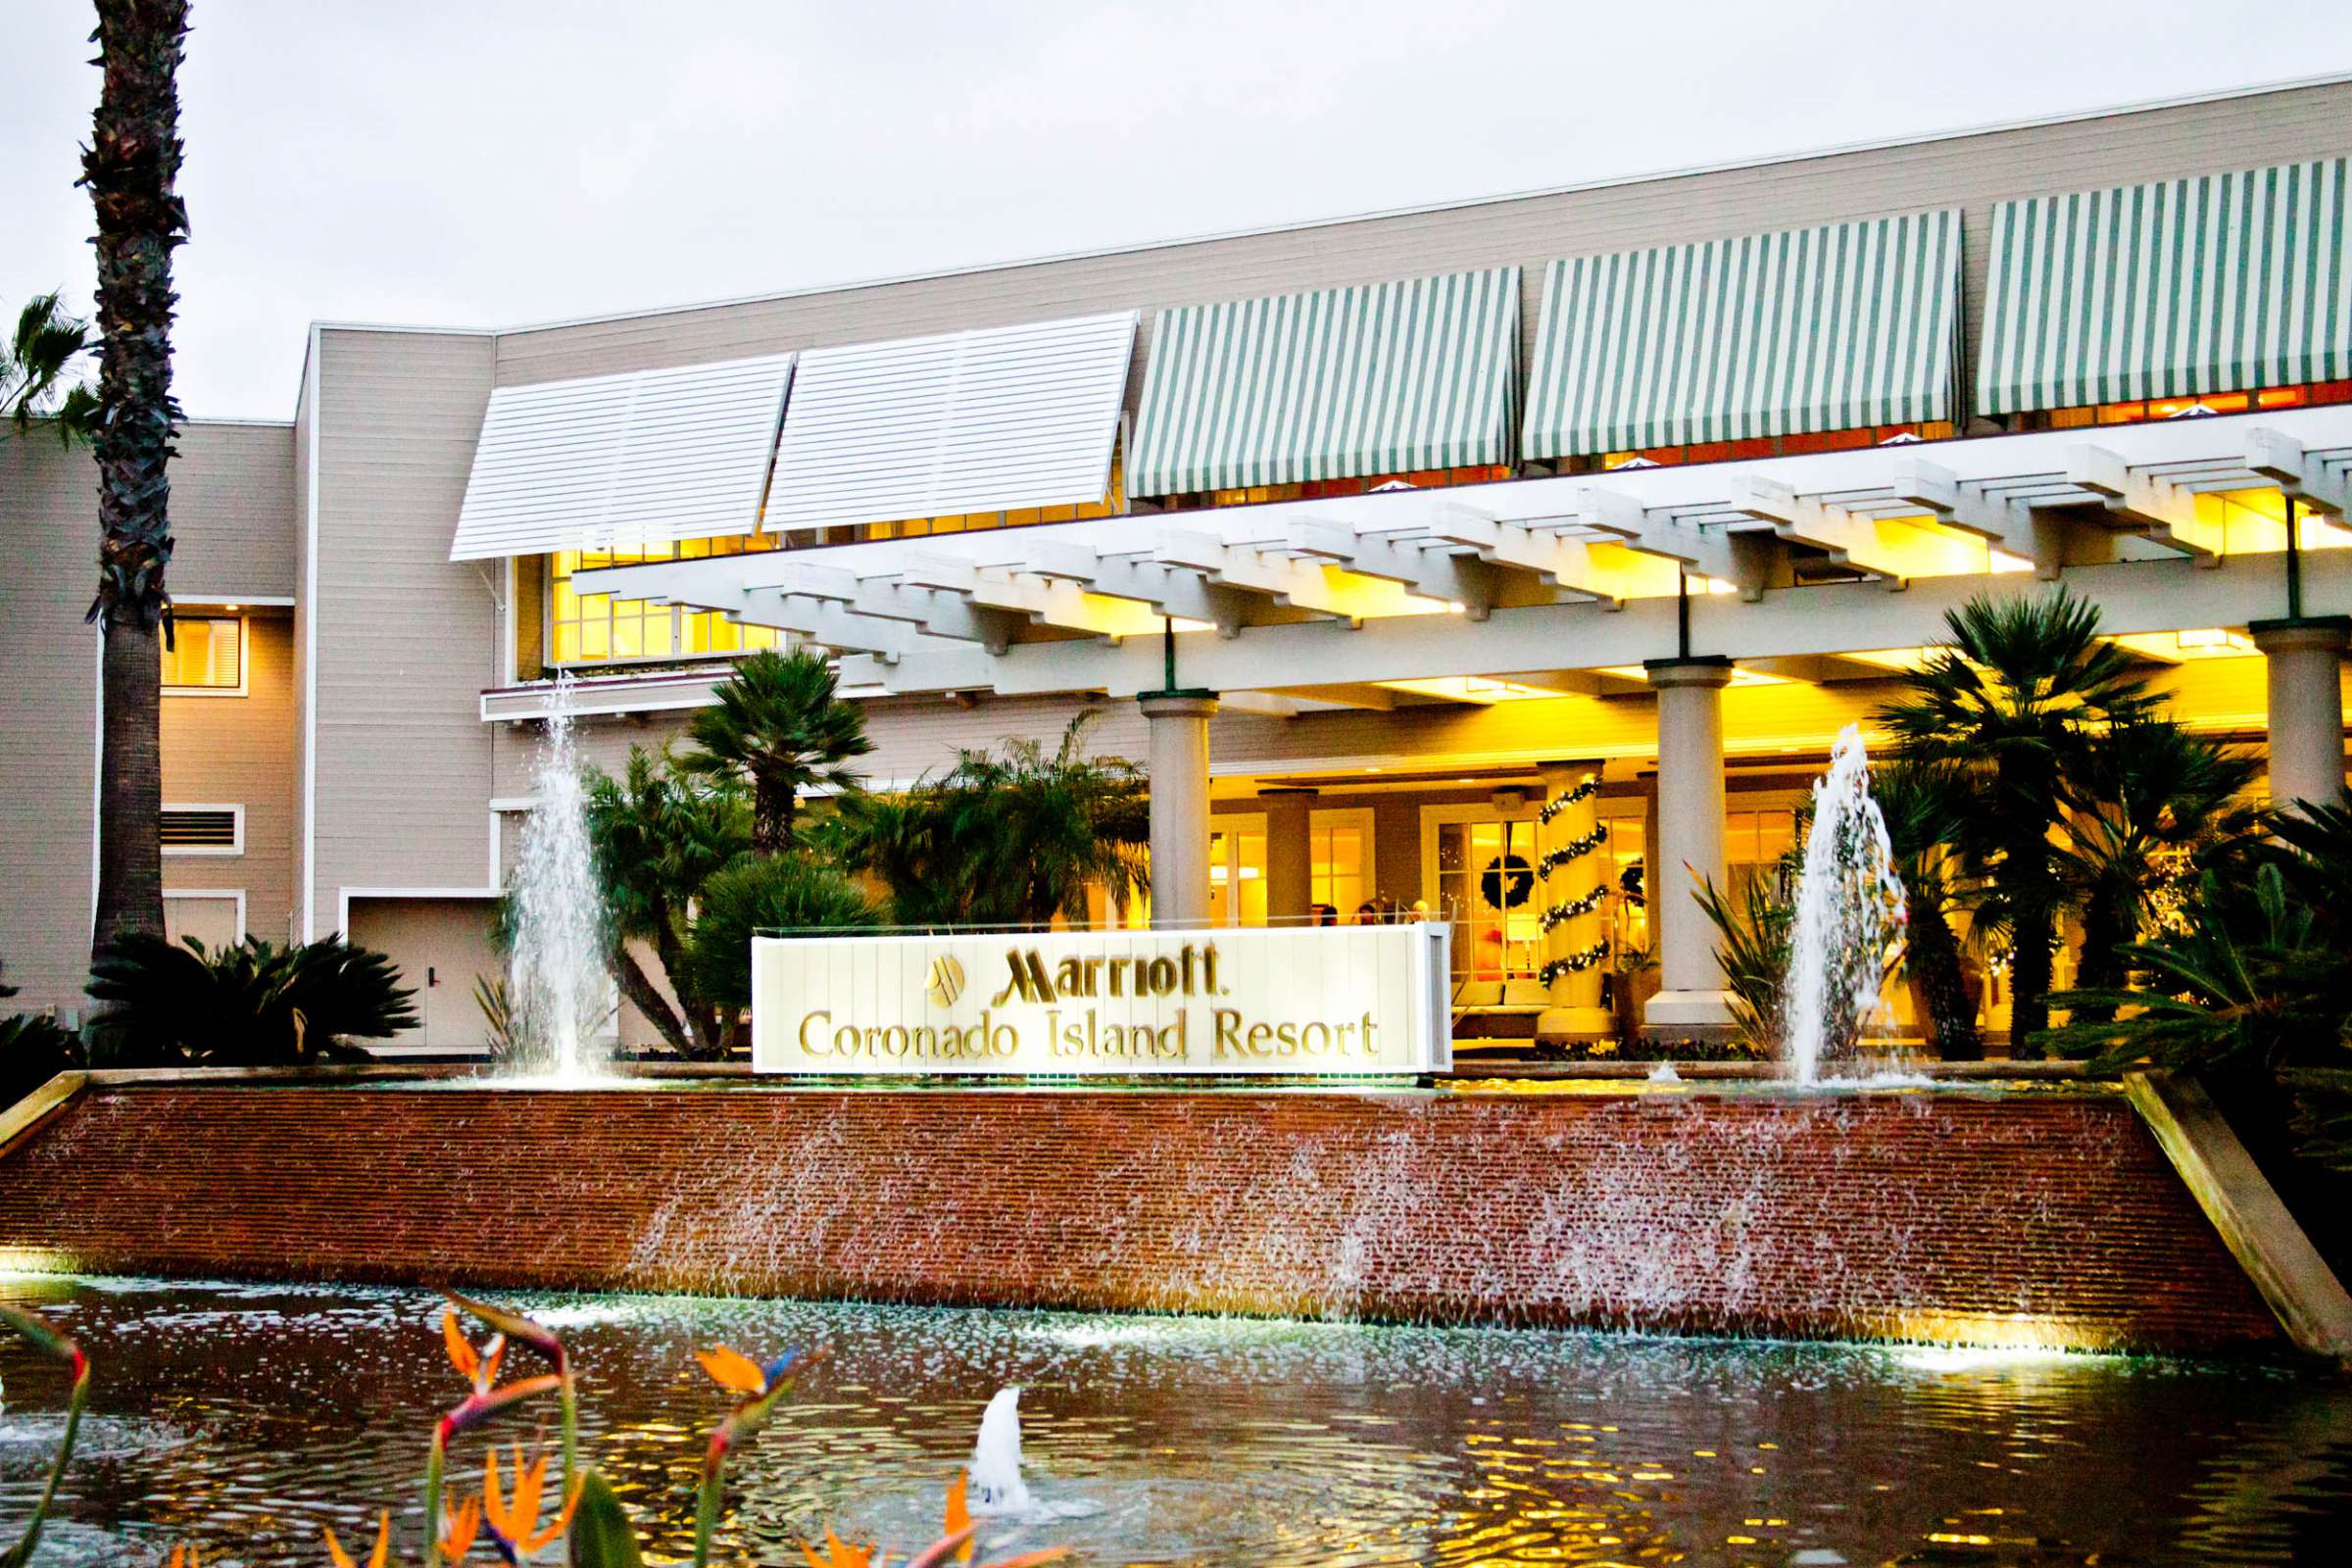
x: 21, y: 1120
x: 2311, y: 1303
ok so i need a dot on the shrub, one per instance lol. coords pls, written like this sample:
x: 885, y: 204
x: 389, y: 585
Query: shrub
x: 250, y: 1005
x: 794, y: 892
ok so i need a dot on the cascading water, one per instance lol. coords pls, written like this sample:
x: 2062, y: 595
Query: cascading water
x: 1850, y: 911
x: 557, y: 984
x: 995, y: 1472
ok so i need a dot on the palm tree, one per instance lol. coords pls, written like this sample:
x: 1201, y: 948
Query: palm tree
x: 781, y: 728
x: 1923, y: 805
x: 2147, y: 795
x: 1013, y: 837
x: 131, y: 168
x: 2014, y: 706
x: 658, y: 834
x: 36, y: 372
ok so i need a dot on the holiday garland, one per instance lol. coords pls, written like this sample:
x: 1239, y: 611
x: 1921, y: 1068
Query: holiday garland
x: 1583, y: 792
x: 1574, y: 963
x: 1573, y: 849
x: 1566, y: 910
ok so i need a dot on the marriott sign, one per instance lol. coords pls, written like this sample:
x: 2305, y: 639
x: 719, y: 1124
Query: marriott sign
x: 1311, y: 1001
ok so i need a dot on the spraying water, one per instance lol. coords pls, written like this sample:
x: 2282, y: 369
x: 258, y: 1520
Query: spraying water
x: 556, y: 980
x: 996, y: 1473
x: 1850, y: 910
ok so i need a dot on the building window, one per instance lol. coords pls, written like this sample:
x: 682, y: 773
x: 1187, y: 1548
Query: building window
x: 1113, y: 504
x: 1482, y: 864
x: 1772, y: 446
x: 600, y: 629
x: 205, y: 657
x: 1237, y: 870
x: 2153, y: 409
x: 1322, y: 489
x: 1342, y: 860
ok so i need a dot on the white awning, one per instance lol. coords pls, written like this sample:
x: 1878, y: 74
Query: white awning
x: 991, y: 421
x: 623, y: 461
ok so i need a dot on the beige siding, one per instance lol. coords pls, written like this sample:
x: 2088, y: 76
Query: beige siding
x: 48, y: 717
x: 240, y: 751
x: 232, y: 513
x: 1972, y: 172
x: 406, y: 640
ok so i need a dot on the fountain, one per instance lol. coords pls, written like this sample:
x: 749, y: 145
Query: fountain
x: 996, y: 1473
x: 1850, y: 910
x: 558, y: 985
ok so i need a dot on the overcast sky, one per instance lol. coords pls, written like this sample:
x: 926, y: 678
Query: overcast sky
x: 495, y: 162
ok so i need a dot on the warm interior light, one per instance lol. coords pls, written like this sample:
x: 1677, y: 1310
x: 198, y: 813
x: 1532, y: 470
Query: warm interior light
x: 1469, y: 689
x: 1740, y: 676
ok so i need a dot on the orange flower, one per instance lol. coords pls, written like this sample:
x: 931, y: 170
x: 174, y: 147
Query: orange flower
x: 184, y: 1556
x: 732, y: 1370
x: 383, y: 1545
x: 960, y: 1516
x: 518, y: 1523
x: 838, y: 1555
x: 478, y: 1367
x: 462, y: 1522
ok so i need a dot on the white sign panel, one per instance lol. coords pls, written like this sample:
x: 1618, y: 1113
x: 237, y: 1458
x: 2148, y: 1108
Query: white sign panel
x: 1314, y: 1000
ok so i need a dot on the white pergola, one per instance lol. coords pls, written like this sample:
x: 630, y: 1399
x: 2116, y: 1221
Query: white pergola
x: 1819, y: 555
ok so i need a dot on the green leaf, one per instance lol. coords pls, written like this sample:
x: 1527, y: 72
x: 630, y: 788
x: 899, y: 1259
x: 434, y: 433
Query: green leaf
x: 602, y: 1536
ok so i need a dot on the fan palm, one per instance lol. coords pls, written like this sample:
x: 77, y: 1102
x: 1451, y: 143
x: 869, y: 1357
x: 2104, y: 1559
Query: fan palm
x: 36, y: 372
x: 1008, y: 837
x: 2015, y: 707
x: 793, y: 893
x: 657, y: 834
x: 779, y: 726
x: 2147, y: 795
x: 1922, y: 805
x: 246, y: 1005
x: 131, y: 168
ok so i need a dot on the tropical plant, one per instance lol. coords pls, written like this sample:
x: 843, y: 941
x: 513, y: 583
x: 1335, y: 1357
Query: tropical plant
x: 1922, y: 805
x: 1753, y: 922
x: 33, y: 1051
x: 131, y: 168
x: 778, y: 726
x: 37, y: 371
x: 1007, y: 836
x: 658, y: 833
x: 497, y: 1005
x: 247, y: 1004
x: 791, y: 894
x: 2142, y: 801
x: 2013, y: 706
x: 47, y: 1342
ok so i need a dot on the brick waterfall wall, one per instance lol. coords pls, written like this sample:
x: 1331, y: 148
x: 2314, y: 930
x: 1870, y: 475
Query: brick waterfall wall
x: 2008, y: 1217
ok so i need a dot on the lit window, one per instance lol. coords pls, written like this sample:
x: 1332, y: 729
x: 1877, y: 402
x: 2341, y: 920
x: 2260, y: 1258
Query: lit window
x: 596, y: 629
x: 205, y: 654
x: 1113, y: 504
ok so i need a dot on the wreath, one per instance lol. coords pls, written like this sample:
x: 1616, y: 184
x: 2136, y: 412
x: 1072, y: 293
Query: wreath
x: 1506, y: 882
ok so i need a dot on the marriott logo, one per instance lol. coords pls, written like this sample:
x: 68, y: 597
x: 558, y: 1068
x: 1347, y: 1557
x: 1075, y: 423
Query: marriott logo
x: 1193, y: 971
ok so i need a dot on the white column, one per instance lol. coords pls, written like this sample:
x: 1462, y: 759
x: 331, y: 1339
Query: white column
x: 2305, y: 661
x: 1576, y: 1011
x: 1290, y: 854
x: 1179, y: 724
x: 1689, y: 845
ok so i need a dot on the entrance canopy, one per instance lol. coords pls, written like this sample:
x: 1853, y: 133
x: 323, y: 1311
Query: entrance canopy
x: 2223, y: 283
x: 1839, y: 328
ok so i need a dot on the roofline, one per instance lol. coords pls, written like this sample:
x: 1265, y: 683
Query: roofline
x: 1607, y: 183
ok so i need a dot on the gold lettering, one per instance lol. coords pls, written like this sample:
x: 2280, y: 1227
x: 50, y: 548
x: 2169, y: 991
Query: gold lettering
x: 1209, y: 971
x: 809, y: 1021
x: 1228, y: 1021
x: 1163, y: 976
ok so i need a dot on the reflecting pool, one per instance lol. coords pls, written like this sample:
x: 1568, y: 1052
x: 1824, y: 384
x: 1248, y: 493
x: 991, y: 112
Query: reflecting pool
x: 245, y: 1417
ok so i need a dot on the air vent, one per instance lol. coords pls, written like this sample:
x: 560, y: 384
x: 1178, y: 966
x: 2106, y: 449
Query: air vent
x: 200, y: 827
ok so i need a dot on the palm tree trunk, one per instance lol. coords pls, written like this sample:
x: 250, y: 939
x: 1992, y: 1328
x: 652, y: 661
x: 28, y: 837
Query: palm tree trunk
x: 2107, y: 925
x: 132, y: 169
x: 647, y: 997
x: 2030, y: 981
x: 1934, y: 959
x: 131, y: 786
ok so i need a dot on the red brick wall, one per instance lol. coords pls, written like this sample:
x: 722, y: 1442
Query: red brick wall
x: 1968, y: 1215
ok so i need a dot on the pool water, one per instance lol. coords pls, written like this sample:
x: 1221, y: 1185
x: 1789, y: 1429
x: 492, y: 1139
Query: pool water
x: 242, y: 1418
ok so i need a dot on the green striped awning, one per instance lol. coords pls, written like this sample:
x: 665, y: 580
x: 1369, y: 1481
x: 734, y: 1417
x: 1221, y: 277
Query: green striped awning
x: 1832, y: 328
x: 1336, y: 384
x: 2221, y: 283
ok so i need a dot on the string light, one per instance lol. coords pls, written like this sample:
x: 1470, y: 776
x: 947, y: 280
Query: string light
x: 1582, y: 792
x: 1574, y: 963
x: 1575, y: 849
x: 1572, y: 908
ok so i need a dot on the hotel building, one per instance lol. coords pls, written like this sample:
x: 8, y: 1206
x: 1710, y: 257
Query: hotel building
x: 1468, y: 558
